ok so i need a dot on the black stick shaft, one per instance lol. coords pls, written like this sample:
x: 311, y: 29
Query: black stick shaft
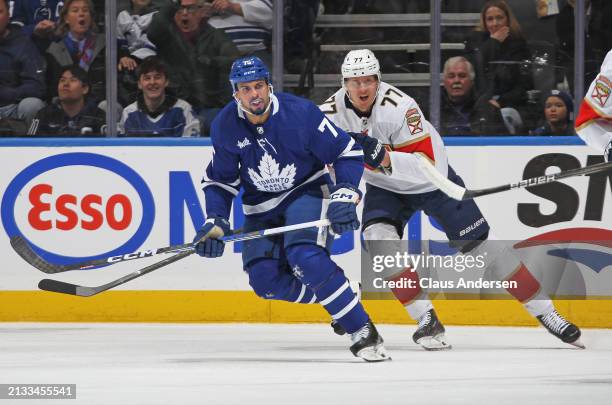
x: 82, y: 291
x: 538, y: 181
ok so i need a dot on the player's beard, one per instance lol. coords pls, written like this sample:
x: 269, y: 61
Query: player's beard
x: 261, y: 109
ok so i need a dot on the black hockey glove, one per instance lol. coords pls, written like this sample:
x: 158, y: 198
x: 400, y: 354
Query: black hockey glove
x: 373, y: 149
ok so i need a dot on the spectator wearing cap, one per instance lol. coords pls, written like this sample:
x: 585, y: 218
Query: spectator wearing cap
x: 22, y: 77
x: 157, y: 113
x: 71, y: 114
x: 558, y: 114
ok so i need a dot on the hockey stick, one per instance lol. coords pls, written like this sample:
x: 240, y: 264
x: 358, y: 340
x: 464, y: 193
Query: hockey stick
x: 460, y: 193
x: 23, y: 249
x: 83, y: 291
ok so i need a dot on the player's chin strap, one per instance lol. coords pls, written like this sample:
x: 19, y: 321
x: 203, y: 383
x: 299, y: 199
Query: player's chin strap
x: 252, y: 113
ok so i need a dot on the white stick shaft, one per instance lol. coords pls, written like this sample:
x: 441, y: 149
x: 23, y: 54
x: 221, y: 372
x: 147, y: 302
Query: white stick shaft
x: 275, y: 231
x: 437, y: 179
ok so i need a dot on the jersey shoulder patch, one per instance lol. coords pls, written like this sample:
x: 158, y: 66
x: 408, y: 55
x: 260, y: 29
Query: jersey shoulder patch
x: 414, y: 121
x: 601, y: 90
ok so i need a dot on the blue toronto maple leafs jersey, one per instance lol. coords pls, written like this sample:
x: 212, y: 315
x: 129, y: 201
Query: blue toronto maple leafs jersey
x: 277, y: 161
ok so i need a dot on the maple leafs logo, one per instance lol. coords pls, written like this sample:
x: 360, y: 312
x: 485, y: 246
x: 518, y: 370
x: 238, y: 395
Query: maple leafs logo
x: 269, y: 178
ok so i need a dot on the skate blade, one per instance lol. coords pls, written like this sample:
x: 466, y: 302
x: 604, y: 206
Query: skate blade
x: 578, y: 344
x: 434, y: 343
x: 373, y: 354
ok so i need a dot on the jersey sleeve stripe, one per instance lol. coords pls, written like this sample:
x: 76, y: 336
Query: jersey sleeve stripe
x: 586, y: 115
x: 353, y: 153
x: 596, y: 110
x: 421, y: 144
x: 232, y: 187
x: 349, y: 152
x: 206, y: 179
x: 224, y: 186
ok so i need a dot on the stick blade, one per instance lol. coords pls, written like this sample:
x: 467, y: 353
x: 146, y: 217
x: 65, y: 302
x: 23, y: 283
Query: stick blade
x: 23, y: 249
x: 62, y: 287
x: 57, y: 286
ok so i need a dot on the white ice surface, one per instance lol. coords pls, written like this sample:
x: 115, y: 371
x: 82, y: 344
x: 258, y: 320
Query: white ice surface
x: 302, y: 364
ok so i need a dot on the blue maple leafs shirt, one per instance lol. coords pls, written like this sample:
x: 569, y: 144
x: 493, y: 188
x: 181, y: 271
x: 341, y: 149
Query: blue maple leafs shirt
x: 277, y: 161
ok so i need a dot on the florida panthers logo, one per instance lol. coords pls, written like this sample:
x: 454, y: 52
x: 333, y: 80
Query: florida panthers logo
x: 270, y: 178
x: 602, y: 90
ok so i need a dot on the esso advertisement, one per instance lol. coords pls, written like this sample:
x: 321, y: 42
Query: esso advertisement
x: 79, y: 202
x: 74, y: 204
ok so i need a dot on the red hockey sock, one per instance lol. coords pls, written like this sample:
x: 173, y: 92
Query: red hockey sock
x: 406, y: 295
x: 527, y: 285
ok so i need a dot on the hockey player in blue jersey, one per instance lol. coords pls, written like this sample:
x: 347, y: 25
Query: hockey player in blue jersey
x: 276, y: 147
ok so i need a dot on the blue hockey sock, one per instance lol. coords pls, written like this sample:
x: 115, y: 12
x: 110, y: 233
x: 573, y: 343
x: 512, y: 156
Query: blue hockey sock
x: 315, y: 268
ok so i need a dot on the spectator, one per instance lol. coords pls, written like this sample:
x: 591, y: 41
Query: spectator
x: 37, y: 17
x: 462, y: 111
x: 22, y: 68
x: 248, y: 23
x: 157, y: 113
x: 80, y: 45
x: 558, y: 114
x: 134, y: 46
x: 71, y: 114
x: 197, y: 55
x: 496, y: 50
x: 132, y: 25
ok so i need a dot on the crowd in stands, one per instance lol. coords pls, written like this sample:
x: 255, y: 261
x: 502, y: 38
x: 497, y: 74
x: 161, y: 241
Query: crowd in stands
x: 174, y: 57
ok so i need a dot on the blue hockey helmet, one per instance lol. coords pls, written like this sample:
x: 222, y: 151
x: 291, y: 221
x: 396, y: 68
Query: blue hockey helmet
x: 248, y: 69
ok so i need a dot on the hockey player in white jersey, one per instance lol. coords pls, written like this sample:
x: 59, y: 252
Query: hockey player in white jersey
x: 392, y: 131
x: 594, y: 121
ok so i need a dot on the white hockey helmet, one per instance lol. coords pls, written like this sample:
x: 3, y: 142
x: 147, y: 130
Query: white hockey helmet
x: 359, y: 63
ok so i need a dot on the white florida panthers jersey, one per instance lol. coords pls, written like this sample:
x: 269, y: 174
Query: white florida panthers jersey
x: 398, y: 122
x: 594, y: 121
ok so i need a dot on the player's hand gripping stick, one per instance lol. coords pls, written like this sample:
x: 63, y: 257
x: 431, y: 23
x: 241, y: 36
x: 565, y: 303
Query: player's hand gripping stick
x: 208, y: 242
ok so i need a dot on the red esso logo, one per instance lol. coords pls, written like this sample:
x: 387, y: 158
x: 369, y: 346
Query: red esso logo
x: 78, y: 211
x: 89, y: 212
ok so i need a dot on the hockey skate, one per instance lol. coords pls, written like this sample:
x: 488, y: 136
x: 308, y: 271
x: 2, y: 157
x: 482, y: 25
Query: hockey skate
x: 430, y: 333
x: 338, y: 329
x: 561, y: 328
x: 368, y: 344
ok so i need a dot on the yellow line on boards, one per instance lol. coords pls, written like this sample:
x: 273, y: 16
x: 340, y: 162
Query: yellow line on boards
x: 245, y: 306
